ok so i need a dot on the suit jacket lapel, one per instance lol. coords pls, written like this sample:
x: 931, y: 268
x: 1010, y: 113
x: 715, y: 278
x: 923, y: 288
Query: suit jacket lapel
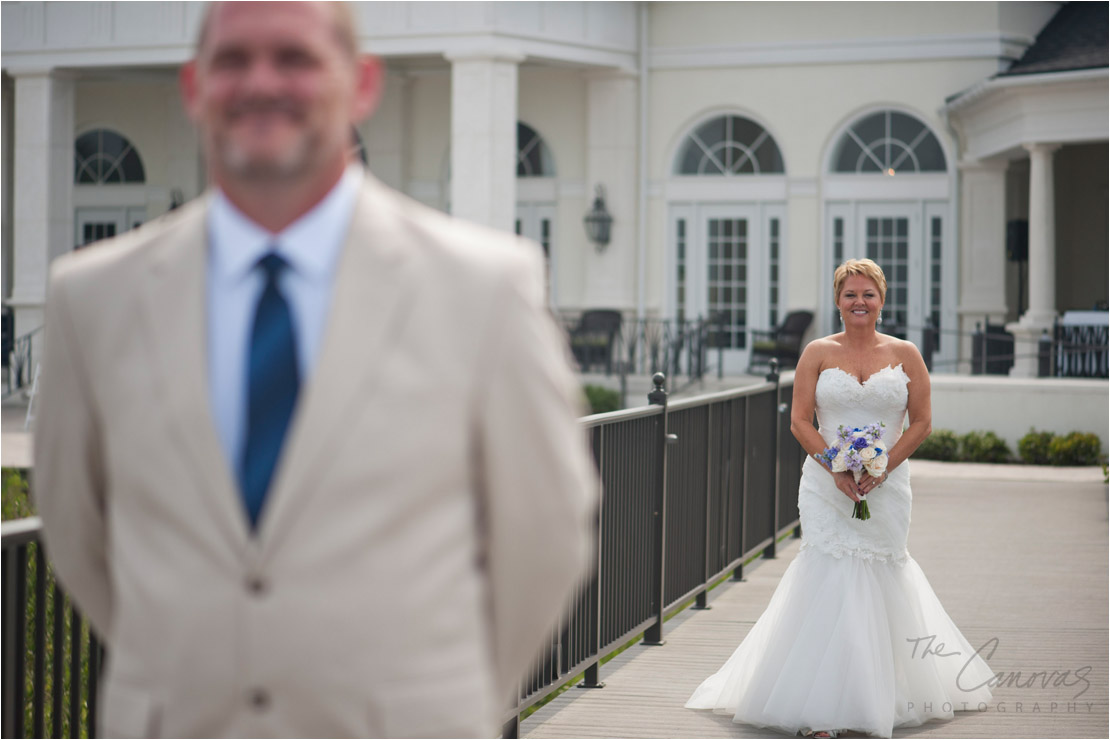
x: 373, y: 286
x: 175, y: 326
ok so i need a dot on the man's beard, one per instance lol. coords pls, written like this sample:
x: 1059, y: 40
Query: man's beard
x: 291, y: 162
x: 239, y: 161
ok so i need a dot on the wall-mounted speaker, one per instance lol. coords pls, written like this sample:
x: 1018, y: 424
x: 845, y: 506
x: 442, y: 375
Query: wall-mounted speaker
x: 1017, y: 240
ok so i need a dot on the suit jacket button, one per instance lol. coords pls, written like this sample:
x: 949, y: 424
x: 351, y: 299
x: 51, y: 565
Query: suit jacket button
x: 259, y: 699
x: 257, y: 585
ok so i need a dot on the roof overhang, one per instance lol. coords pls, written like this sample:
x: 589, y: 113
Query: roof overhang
x: 997, y: 116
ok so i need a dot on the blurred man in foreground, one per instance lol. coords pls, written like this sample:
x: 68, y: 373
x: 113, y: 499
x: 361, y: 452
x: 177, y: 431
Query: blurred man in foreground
x: 307, y: 454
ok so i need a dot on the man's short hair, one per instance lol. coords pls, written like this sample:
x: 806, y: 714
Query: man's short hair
x: 346, y: 29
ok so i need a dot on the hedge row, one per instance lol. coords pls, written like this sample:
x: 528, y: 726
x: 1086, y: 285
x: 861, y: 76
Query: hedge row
x: 1035, y: 448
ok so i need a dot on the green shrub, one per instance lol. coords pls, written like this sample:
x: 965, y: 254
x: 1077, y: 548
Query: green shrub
x: 602, y: 399
x: 16, y: 502
x: 1033, y: 447
x: 985, y: 447
x: 1077, y: 448
x: 940, y: 445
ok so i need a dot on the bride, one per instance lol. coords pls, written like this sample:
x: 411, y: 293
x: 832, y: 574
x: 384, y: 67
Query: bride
x: 851, y: 638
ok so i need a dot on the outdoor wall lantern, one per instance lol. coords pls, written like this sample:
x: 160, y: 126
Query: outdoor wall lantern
x: 598, y: 221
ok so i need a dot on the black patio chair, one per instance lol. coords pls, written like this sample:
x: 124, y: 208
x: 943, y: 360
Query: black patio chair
x: 592, y: 340
x: 783, y: 343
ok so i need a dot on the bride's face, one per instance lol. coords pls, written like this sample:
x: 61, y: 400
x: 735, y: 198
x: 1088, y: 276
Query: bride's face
x: 859, y: 301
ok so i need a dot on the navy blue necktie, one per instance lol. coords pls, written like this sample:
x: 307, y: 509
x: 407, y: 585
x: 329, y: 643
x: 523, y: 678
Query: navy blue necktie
x: 272, y: 383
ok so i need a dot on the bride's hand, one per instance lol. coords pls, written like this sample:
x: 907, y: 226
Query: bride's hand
x: 868, y: 483
x: 847, y: 485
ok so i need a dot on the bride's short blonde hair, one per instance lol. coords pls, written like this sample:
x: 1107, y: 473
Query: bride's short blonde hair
x: 865, y: 268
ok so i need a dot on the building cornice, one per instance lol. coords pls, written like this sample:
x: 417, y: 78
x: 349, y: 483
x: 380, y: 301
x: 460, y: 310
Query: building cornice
x: 996, y: 84
x: 843, y: 51
x: 997, y: 117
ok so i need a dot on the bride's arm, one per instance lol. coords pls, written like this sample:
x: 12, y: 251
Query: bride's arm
x: 801, y: 414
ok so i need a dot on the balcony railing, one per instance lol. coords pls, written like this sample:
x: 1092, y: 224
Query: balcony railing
x: 51, y: 660
x: 692, y: 490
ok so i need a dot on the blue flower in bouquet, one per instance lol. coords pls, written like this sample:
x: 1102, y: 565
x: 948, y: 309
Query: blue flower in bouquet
x: 857, y: 451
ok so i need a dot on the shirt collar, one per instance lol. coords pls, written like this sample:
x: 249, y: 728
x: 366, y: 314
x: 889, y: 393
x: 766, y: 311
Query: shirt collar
x: 311, y: 244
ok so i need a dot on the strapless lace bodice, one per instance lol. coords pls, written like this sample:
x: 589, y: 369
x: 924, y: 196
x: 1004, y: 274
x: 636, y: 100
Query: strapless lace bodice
x: 827, y: 523
x: 842, y: 400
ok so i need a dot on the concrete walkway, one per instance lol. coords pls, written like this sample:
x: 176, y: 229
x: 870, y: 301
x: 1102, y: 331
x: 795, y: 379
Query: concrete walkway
x: 1015, y: 553
x: 15, y: 440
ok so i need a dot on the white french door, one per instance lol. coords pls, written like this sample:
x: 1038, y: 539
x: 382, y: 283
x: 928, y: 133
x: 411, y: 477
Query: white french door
x: 725, y: 268
x: 890, y: 234
x: 909, y: 242
x: 94, y: 224
x: 536, y: 221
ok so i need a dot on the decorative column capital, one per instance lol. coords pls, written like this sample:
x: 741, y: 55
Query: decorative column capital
x: 17, y: 72
x: 510, y: 56
x: 1034, y: 147
x: 615, y: 73
x: 982, y: 165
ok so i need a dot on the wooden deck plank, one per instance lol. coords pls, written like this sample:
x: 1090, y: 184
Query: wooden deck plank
x: 1015, y: 556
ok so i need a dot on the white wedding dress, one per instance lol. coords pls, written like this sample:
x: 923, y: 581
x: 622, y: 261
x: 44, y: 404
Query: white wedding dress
x: 845, y: 642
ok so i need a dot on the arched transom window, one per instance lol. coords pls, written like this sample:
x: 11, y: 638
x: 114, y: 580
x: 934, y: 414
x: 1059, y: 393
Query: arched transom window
x: 729, y: 145
x: 103, y: 156
x: 888, y: 142
x: 533, y: 158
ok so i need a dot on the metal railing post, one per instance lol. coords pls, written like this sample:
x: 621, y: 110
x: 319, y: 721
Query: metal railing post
x: 702, y: 599
x: 738, y: 571
x: 771, y: 550
x: 653, y: 635
x: 720, y: 346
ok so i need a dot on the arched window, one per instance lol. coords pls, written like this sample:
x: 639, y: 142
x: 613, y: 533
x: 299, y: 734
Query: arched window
x: 533, y: 157
x: 729, y: 145
x: 103, y: 157
x: 903, y: 223
x: 888, y: 142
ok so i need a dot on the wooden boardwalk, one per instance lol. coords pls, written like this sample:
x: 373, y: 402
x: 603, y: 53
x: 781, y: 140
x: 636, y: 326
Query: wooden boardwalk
x: 1014, y: 553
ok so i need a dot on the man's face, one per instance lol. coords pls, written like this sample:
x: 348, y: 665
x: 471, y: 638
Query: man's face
x: 275, y: 92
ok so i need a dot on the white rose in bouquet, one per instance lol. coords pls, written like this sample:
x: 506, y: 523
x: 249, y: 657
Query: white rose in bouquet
x: 840, y: 462
x: 878, y: 464
x: 867, y: 454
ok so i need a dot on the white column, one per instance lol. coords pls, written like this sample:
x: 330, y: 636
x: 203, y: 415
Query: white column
x: 1042, y: 262
x: 6, y: 107
x: 982, y: 285
x: 387, y: 134
x: 42, y: 208
x: 611, y: 148
x: 483, y: 138
x: 1042, y: 237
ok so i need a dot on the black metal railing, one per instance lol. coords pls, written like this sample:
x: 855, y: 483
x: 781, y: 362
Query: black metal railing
x: 51, y: 660
x: 19, y: 362
x: 692, y: 490
x: 1065, y: 350
x: 623, y: 346
x: 1080, y: 350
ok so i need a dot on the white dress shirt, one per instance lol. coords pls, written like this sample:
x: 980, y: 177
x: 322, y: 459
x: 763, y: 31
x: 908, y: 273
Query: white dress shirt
x: 311, y: 246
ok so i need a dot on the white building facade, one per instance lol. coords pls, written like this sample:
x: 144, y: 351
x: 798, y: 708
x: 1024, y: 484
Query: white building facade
x: 744, y: 150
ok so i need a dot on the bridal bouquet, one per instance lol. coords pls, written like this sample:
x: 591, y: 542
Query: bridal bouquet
x: 858, y: 450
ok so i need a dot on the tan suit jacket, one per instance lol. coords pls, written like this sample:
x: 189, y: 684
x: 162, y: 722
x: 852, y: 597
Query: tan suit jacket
x: 426, y: 524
